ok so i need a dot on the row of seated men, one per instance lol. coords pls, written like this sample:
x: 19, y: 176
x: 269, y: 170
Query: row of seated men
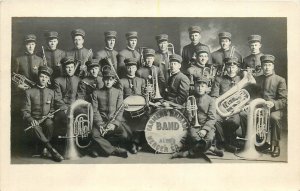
x: 106, y: 99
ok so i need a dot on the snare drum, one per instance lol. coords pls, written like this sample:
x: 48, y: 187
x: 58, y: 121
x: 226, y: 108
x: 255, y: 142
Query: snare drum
x: 165, y: 130
x: 136, y: 106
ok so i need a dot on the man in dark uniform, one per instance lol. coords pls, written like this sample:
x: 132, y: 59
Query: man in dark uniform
x: 53, y: 55
x: 39, y: 102
x: 79, y: 53
x: 253, y: 60
x: 225, y: 51
x: 28, y: 64
x: 92, y: 82
x: 226, y: 127
x: 189, y: 51
x: 178, y: 83
x: 150, y: 72
x: 162, y: 55
x: 109, y: 52
x: 274, y: 89
x: 129, y: 52
x: 108, y: 111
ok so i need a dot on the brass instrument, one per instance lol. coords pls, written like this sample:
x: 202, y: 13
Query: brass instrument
x: 223, y: 72
x: 90, y: 85
x: 103, y: 129
x: 257, y: 125
x: 80, y: 123
x: 19, y: 79
x: 82, y: 63
x: 233, y: 101
x: 44, y: 57
x: 112, y: 67
x: 50, y: 115
x: 142, y: 61
x: 148, y: 92
x: 157, y: 92
x: 191, y: 107
x: 171, y: 49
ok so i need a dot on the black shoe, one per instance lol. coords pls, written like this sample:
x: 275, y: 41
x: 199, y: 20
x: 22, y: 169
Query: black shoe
x: 276, y: 152
x: 217, y: 152
x: 55, y: 155
x: 46, y: 153
x: 230, y: 148
x: 93, y: 153
x: 120, y: 153
x: 264, y: 147
x: 133, y: 149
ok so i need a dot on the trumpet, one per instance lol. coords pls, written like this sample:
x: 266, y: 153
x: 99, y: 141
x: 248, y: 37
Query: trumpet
x: 19, y: 79
x: 191, y: 107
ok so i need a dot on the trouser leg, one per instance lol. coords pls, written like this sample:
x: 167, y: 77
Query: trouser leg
x: 104, y: 145
x: 275, y: 120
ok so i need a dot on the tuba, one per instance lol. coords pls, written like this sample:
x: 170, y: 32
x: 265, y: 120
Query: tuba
x: 80, y: 123
x: 191, y: 107
x: 258, y: 126
x: 234, y: 100
x: 19, y: 79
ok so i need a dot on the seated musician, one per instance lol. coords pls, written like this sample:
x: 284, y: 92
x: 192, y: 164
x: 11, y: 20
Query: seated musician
x: 150, y: 72
x: 178, y: 83
x: 38, y: 103
x: 199, y: 138
x: 109, y: 127
x: 226, y: 127
x: 133, y: 85
x: 90, y: 83
x: 273, y: 88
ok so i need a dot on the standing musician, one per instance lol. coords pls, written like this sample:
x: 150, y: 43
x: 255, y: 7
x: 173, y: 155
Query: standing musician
x: 79, y: 53
x: 128, y: 52
x: 39, y: 102
x: 189, y: 51
x: 226, y: 127
x: 108, y: 111
x: 178, y: 83
x: 133, y: 85
x: 28, y: 64
x: 253, y: 60
x: 90, y: 83
x: 273, y: 88
x: 200, y: 138
x: 225, y: 51
x: 162, y: 55
x: 150, y: 72
x: 109, y: 52
x: 52, y: 54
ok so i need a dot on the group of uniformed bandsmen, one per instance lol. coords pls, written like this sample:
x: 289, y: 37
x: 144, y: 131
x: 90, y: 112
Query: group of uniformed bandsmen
x: 108, y: 77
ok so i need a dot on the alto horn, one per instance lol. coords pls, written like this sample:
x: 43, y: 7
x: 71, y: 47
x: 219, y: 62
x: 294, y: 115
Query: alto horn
x: 19, y: 79
x: 191, y: 107
x: 258, y: 109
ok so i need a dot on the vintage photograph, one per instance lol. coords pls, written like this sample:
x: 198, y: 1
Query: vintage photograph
x: 143, y: 90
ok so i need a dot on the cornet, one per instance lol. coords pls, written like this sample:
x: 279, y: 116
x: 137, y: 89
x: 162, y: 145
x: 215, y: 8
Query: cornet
x: 191, y: 107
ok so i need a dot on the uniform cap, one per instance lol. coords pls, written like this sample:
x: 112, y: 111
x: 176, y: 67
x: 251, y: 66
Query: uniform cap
x: 45, y: 70
x: 231, y: 61
x: 202, y: 79
x: 193, y: 29
x: 93, y: 63
x: 51, y: 34
x: 67, y: 60
x: 175, y: 57
x: 225, y: 35
x: 267, y: 58
x: 200, y: 49
x: 130, y: 61
x: 109, y: 34
x: 108, y: 72
x: 30, y: 37
x: 254, y: 38
x: 77, y: 32
x: 148, y: 52
x: 161, y: 37
x: 131, y: 34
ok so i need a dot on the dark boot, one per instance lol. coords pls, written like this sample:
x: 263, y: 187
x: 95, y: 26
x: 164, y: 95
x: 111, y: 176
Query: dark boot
x: 55, y: 155
x: 120, y: 152
x: 276, y: 151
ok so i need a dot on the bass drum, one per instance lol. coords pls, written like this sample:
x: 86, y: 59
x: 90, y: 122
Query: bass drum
x: 136, y: 106
x: 166, y: 130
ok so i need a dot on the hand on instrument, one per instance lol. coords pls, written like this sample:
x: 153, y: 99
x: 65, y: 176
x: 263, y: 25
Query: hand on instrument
x: 83, y: 68
x: 202, y: 133
x: 23, y: 86
x: 34, y: 123
x: 270, y: 104
x: 110, y: 127
x: 165, y: 104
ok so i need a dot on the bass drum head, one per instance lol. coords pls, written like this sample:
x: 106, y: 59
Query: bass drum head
x: 165, y: 130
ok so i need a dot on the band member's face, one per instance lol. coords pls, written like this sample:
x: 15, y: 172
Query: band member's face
x: 95, y: 71
x: 163, y: 46
x: 78, y: 41
x: 43, y: 79
x: 195, y: 38
x: 175, y: 66
x: 132, y: 43
x: 202, y: 58
x: 232, y: 70
x: 255, y: 47
x: 52, y: 43
x: 149, y: 60
x: 70, y: 69
x: 225, y: 43
x: 110, y: 43
x: 268, y: 68
x: 131, y: 70
x: 201, y: 88
x: 30, y: 46
x: 108, y: 81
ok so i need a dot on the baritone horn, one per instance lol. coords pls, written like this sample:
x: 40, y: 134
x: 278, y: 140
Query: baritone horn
x: 80, y: 123
x: 192, y: 109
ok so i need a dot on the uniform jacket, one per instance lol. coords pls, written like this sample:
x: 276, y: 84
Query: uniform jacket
x: 178, y: 88
x: 132, y: 86
x: 219, y: 55
x: 195, y: 71
x: 105, y: 103
x: 223, y: 84
x: 38, y: 102
x: 110, y: 54
x: 80, y: 55
x: 273, y: 89
x: 162, y: 61
x: 253, y: 61
x: 53, y: 58
x: 145, y: 72
x: 28, y: 65
x: 85, y: 90
x: 126, y: 53
x: 65, y: 94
